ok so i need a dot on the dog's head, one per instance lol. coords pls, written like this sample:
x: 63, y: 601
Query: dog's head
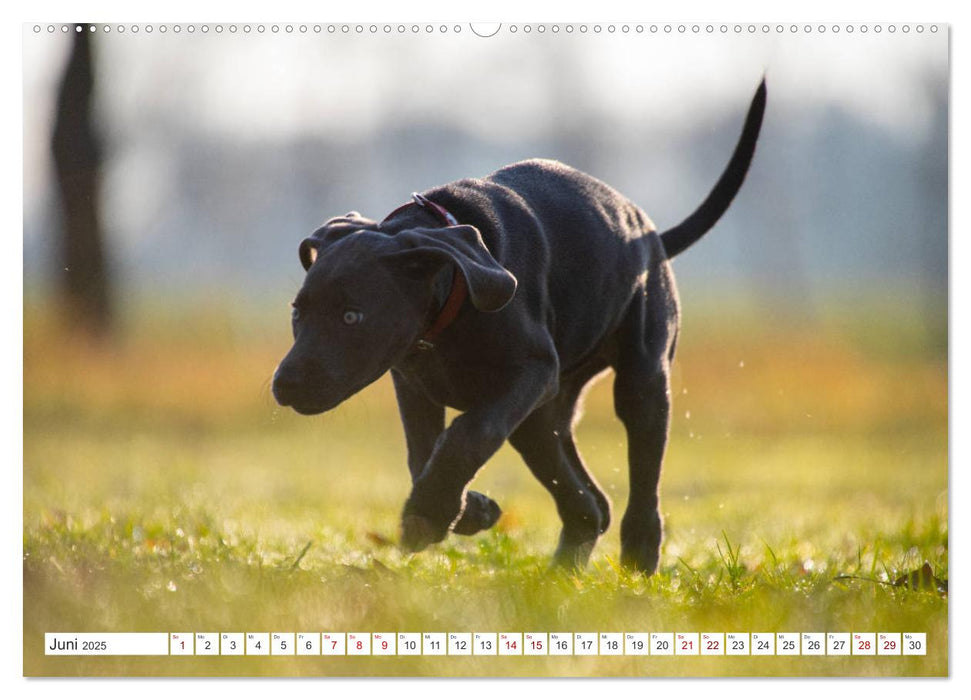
x: 367, y: 299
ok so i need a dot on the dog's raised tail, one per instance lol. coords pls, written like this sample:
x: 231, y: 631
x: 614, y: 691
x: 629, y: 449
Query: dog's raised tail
x: 683, y: 235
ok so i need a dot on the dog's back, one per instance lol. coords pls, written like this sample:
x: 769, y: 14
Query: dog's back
x: 576, y: 245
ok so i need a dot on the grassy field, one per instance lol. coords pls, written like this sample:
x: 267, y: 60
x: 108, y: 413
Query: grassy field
x: 165, y: 491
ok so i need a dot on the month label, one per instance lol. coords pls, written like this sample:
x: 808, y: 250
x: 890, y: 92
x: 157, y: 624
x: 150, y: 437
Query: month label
x: 106, y: 643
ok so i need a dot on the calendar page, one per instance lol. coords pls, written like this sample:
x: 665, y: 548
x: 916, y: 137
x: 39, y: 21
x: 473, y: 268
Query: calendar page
x: 603, y: 349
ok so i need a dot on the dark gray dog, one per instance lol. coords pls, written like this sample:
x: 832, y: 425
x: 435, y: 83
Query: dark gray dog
x: 503, y: 297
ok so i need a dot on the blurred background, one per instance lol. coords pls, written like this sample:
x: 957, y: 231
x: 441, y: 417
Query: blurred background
x: 219, y: 152
x: 169, y: 178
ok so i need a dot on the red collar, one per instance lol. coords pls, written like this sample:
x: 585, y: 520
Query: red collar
x: 456, y: 297
x: 422, y: 201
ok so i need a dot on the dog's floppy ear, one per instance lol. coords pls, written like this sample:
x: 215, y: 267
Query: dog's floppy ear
x: 308, y: 251
x: 331, y: 232
x: 424, y: 251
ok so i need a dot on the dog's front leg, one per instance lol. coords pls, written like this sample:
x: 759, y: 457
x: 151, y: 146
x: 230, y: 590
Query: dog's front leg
x: 438, y: 497
x: 424, y: 422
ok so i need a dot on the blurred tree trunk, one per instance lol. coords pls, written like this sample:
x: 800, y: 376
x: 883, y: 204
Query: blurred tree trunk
x: 82, y: 271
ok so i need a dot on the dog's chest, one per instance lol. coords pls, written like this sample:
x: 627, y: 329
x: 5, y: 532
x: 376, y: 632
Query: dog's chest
x: 456, y: 382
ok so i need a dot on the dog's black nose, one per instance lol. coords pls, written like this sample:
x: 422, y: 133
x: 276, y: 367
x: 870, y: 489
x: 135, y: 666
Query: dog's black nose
x: 301, y: 384
x: 287, y: 383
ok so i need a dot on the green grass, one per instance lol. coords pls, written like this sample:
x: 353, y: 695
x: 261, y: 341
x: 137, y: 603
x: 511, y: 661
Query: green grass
x: 164, y: 491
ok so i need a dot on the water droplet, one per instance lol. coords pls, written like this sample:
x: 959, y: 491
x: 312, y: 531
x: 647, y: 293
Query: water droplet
x: 171, y: 587
x: 687, y: 415
x: 741, y: 363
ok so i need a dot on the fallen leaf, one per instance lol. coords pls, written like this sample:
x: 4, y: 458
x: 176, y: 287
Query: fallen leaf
x: 922, y: 579
x: 379, y: 539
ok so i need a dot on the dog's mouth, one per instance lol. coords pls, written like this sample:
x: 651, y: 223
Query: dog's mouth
x: 316, y: 406
x: 311, y: 410
x: 304, y: 405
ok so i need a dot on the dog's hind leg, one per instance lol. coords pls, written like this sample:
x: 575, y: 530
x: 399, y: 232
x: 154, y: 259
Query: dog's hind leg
x: 424, y: 422
x: 642, y: 399
x: 567, y: 414
x: 547, y: 447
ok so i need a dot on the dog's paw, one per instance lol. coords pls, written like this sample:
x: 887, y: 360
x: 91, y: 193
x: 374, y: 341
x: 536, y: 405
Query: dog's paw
x: 418, y: 532
x: 576, y: 545
x: 640, y: 543
x: 641, y: 558
x: 480, y: 513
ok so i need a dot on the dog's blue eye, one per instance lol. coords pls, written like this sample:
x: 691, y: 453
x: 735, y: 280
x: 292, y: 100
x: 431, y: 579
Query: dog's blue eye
x: 352, y: 317
x: 295, y: 314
